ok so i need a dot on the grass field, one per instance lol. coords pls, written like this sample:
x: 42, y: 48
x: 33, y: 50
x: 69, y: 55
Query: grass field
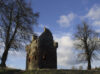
x: 14, y: 71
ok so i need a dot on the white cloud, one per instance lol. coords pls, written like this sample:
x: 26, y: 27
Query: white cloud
x: 98, y: 30
x: 65, y: 53
x: 97, y: 23
x: 38, y: 33
x: 65, y: 20
x: 93, y: 15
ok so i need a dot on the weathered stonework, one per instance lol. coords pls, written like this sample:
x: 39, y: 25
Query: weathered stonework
x: 41, y: 52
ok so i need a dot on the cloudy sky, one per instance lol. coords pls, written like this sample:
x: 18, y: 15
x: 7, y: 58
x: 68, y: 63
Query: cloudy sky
x: 61, y: 17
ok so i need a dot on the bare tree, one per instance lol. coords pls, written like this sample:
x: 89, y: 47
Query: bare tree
x: 87, y: 40
x: 16, y: 25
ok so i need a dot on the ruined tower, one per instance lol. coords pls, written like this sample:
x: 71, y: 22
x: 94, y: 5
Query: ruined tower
x: 41, y: 52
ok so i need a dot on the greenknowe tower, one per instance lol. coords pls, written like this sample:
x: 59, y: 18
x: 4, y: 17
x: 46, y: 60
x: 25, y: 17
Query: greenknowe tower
x: 42, y: 52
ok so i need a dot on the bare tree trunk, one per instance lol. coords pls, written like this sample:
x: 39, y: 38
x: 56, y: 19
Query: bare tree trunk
x: 5, y: 54
x: 7, y: 45
x: 88, y: 55
x: 89, y: 64
x: 4, y: 57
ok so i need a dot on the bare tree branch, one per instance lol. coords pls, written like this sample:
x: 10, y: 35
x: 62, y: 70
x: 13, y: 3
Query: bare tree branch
x: 87, y: 40
x: 16, y: 25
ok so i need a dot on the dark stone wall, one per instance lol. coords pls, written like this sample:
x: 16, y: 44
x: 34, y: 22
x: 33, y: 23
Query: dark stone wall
x: 48, y: 58
x: 42, y: 51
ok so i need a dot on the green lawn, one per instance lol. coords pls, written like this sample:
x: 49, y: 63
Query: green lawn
x: 15, y: 71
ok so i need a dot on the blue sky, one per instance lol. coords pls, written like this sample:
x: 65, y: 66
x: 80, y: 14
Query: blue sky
x: 61, y: 17
x: 54, y: 12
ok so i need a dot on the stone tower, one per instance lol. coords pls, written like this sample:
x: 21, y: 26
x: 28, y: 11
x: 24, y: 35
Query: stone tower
x: 41, y: 52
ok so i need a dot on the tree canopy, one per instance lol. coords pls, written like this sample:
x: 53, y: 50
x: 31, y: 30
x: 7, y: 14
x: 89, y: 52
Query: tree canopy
x: 16, y: 25
x: 87, y: 39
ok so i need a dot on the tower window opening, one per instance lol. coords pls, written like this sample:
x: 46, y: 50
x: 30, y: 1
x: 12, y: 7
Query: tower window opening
x: 29, y: 60
x: 35, y: 57
x: 44, y: 57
